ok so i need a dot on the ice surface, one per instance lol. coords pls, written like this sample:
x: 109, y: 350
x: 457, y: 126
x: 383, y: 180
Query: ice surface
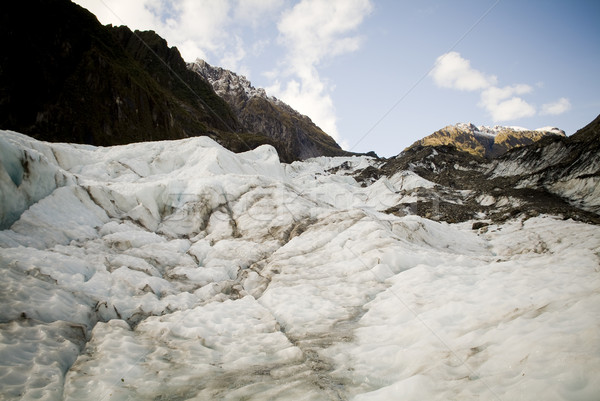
x: 26, y: 175
x: 505, y: 330
x: 179, y: 270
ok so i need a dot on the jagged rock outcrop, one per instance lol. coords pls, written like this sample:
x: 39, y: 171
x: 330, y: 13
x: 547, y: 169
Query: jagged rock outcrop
x: 267, y: 115
x: 485, y: 141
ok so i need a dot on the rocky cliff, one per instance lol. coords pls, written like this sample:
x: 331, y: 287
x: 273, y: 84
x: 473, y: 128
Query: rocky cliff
x: 67, y: 78
x: 266, y: 115
x: 64, y: 77
x: 485, y: 141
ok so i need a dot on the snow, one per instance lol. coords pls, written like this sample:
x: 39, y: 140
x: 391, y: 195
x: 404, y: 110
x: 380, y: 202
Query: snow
x: 486, y: 200
x: 487, y: 131
x: 179, y: 270
x: 507, y: 328
x: 26, y: 175
x: 408, y: 181
x: 552, y: 129
x: 226, y: 82
x: 521, y: 129
x: 484, y: 130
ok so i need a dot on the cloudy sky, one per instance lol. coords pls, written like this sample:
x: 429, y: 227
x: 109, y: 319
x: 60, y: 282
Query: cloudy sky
x: 380, y: 74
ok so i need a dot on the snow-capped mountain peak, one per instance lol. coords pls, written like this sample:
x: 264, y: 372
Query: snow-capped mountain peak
x: 554, y: 130
x: 224, y: 81
x: 487, y: 141
x: 496, y: 129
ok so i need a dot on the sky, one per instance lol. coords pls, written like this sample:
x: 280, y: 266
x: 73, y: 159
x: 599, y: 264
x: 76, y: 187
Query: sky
x: 377, y: 75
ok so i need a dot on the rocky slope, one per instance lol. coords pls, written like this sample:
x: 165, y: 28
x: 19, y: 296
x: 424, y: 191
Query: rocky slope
x: 64, y: 77
x: 267, y: 115
x: 556, y: 175
x: 485, y: 141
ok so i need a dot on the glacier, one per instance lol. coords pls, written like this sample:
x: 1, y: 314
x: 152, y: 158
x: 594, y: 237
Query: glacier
x: 179, y: 270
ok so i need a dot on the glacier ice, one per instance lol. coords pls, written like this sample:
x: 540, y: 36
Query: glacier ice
x: 179, y: 270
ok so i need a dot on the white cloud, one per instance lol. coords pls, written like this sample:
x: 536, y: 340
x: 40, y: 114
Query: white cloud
x: 560, y: 106
x: 199, y: 28
x: 233, y: 57
x: 511, y: 109
x: 496, y: 94
x: 311, y: 32
x: 254, y: 12
x: 309, y: 97
x: 503, y: 105
x: 259, y: 46
x: 200, y: 25
x: 137, y: 14
x: 315, y: 29
x: 453, y: 71
x: 196, y: 27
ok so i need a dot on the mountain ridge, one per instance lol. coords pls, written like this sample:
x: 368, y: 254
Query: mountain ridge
x: 64, y: 77
x: 68, y: 78
x: 267, y: 115
x: 555, y: 175
x: 488, y: 142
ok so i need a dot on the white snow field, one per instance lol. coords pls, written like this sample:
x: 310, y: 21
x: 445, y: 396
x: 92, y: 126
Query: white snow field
x: 181, y: 271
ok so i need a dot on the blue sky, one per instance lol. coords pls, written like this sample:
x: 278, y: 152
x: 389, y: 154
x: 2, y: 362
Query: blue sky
x: 379, y: 75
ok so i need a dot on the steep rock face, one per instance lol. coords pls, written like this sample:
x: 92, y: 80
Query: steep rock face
x: 266, y: 115
x: 485, y: 141
x: 66, y: 78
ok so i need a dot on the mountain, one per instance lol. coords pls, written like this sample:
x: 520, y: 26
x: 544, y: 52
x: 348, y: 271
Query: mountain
x: 555, y: 175
x: 180, y: 270
x: 176, y: 270
x: 485, y: 141
x: 64, y: 77
x: 266, y: 115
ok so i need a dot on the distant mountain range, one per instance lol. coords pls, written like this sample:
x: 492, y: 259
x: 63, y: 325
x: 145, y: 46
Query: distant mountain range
x: 488, y: 142
x: 555, y: 175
